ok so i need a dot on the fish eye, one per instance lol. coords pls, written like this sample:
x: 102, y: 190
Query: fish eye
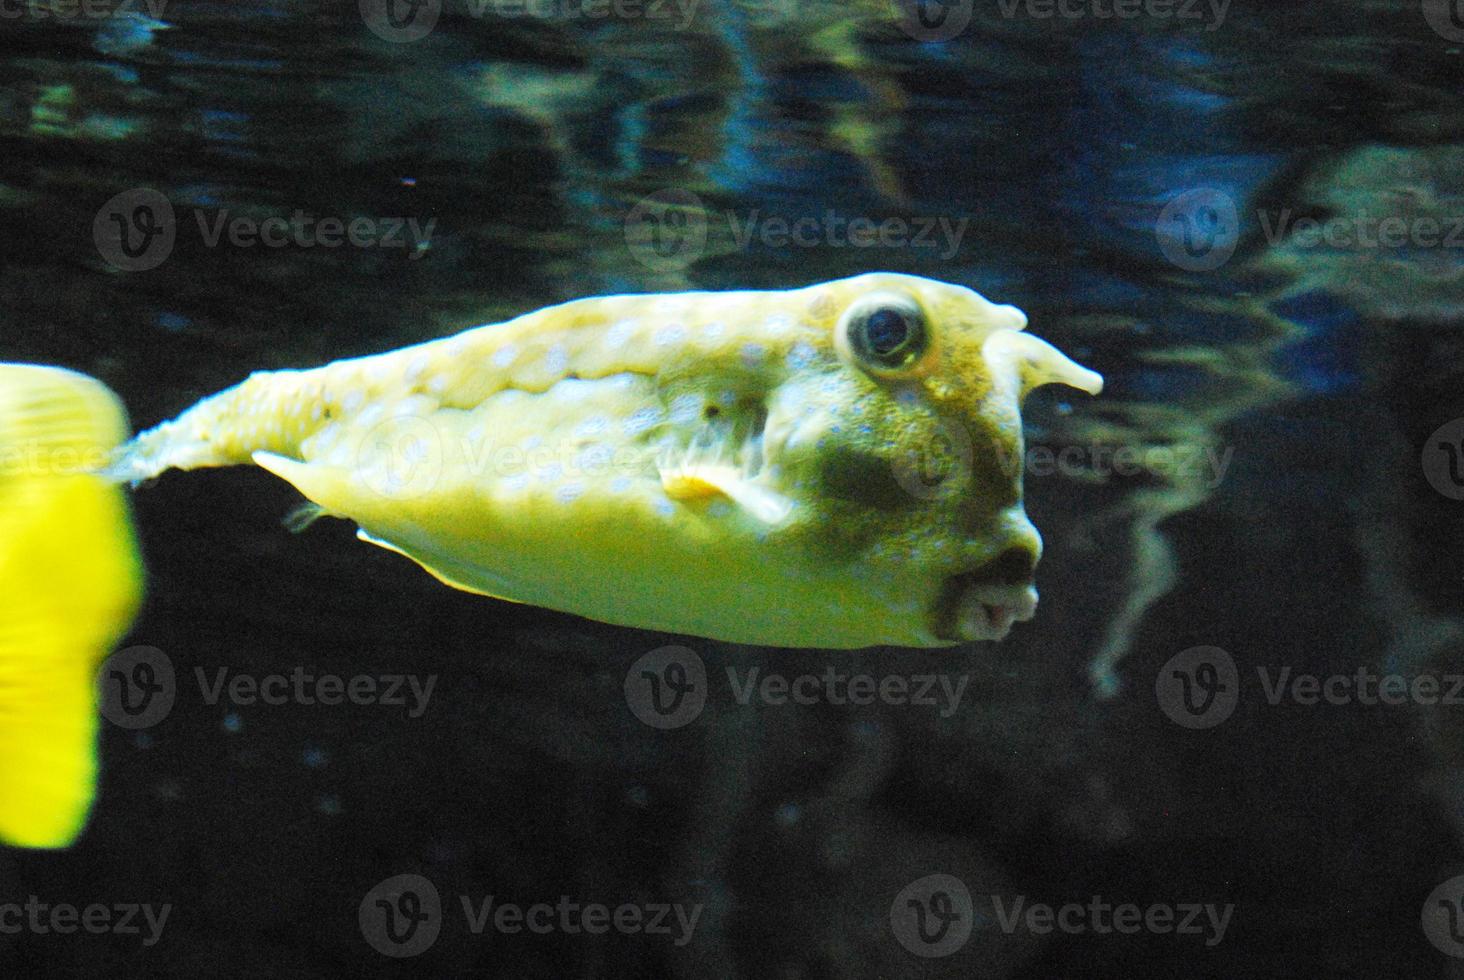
x: 885, y: 332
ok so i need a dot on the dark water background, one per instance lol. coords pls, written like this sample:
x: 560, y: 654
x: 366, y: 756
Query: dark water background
x: 529, y: 141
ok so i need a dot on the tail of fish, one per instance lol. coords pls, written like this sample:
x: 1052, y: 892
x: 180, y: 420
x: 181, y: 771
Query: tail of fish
x: 269, y: 412
x: 70, y: 583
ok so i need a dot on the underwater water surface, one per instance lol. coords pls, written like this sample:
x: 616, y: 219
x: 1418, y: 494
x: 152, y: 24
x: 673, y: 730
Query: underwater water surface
x: 1228, y: 744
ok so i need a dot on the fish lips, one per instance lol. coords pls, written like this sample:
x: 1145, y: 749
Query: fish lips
x: 971, y: 607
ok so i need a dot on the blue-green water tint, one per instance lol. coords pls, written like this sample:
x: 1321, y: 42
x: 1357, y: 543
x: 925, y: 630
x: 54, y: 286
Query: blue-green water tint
x: 1055, y: 145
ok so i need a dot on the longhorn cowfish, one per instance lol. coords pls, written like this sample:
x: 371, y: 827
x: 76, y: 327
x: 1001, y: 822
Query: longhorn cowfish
x: 836, y: 466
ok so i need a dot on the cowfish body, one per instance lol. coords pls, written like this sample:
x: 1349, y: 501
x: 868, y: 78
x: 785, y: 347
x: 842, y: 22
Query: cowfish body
x: 835, y: 466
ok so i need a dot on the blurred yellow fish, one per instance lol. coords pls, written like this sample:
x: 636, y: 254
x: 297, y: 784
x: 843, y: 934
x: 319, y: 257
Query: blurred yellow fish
x: 836, y: 466
x: 70, y: 582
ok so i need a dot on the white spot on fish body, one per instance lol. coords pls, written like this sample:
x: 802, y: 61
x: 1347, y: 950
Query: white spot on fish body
x: 370, y: 415
x: 801, y: 355
x: 642, y: 419
x: 686, y: 408
x: 556, y: 359
x: 569, y: 493
x: 670, y: 335
x: 504, y: 356
x: 618, y: 334
x: 593, y: 458
x: 591, y: 426
x: 753, y: 354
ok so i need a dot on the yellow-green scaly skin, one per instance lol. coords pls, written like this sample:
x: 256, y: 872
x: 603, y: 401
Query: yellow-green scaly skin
x: 532, y: 459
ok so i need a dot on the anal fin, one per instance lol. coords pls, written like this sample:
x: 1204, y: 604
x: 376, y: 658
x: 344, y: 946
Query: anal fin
x: 453, y: 574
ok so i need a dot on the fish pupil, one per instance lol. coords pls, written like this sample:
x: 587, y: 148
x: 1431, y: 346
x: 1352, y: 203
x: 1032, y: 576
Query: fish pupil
x: 886, y: 331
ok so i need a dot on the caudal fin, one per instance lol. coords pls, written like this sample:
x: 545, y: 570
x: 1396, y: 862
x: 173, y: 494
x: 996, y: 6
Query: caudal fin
x: 70, y: 583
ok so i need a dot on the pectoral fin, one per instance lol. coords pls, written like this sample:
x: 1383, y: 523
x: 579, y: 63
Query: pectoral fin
x: 698, y: 481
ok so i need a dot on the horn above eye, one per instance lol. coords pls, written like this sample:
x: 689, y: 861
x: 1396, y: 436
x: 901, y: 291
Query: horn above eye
x: 1035, y: 362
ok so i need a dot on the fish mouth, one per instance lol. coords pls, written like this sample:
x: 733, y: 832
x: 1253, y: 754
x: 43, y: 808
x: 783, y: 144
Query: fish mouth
x: 984, y: 603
